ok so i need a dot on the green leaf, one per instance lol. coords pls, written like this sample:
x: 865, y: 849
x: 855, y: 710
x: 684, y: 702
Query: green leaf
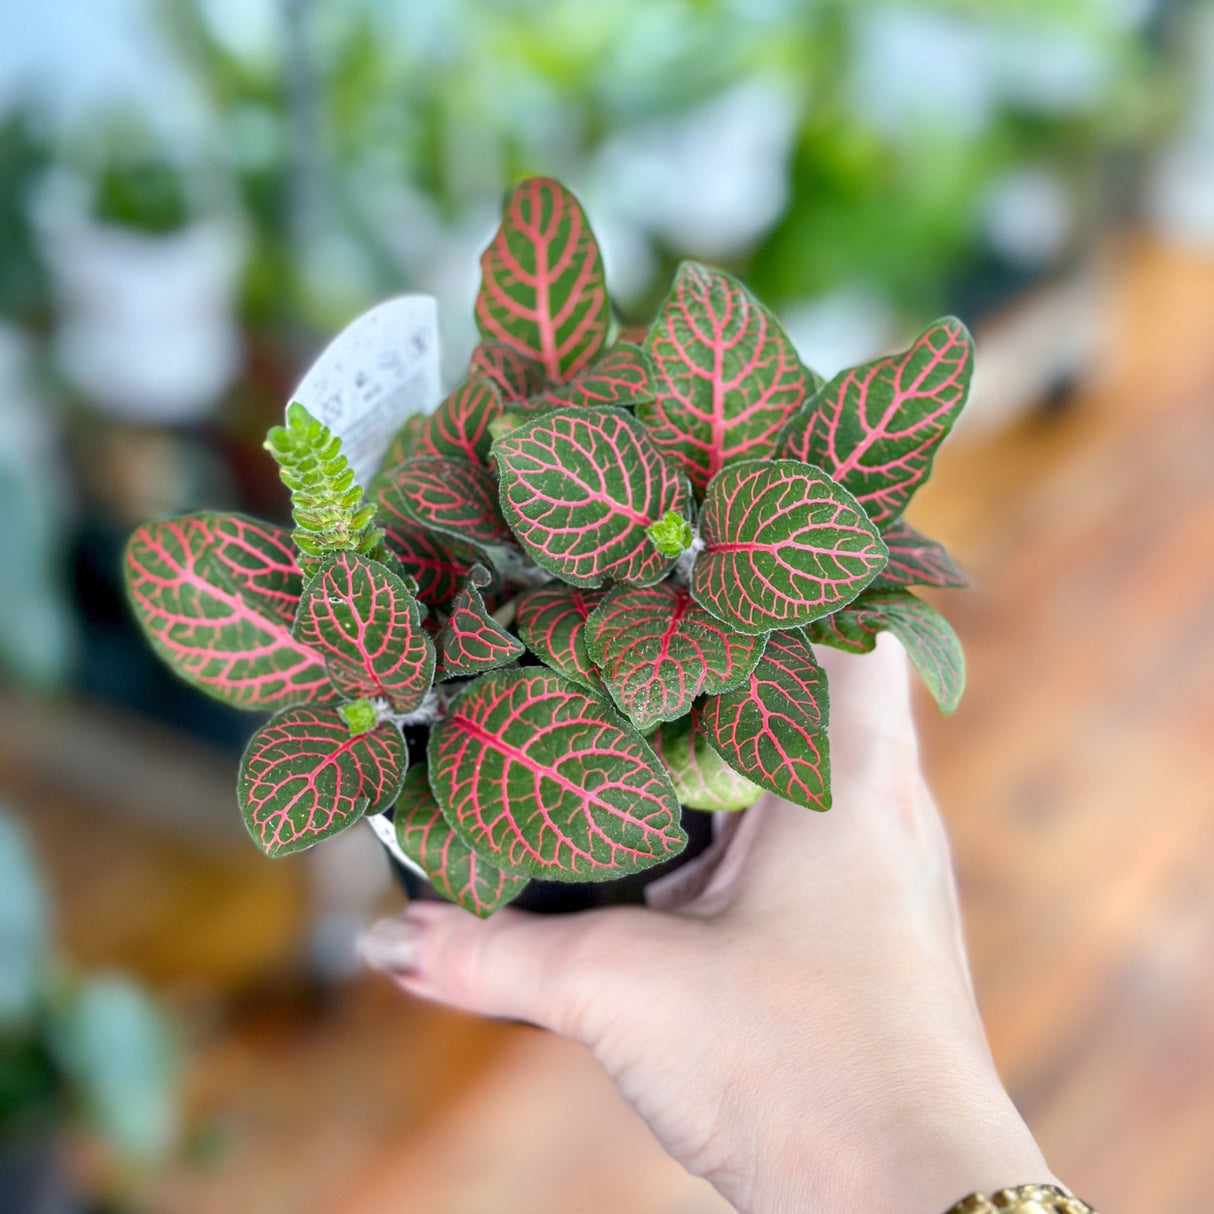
x: 514, y: 375
x: 360, y: 716
x: 546, y: 779
x: 727, y: 377
x: 876, y: 428
x: 914, y: 560
x: 304, y: 777
x: 773, y: 729
x: 657, y: 650
x: 413, y: 438
x: 543, y: 292
x: 459, y: 427
x: 783, y: 545
x: 437, y: 563
x: 552, y: 622
x: 926, y: 635
x: 454, y: 497
x: 216, y: 595
x: 361, y: 616
x: 623, y: 376
x: 471, y: 640
x: 454, y: 869
x: 672, y: 534
x: 581, y: 488
x: 326, y: 502
x: 702, y: 779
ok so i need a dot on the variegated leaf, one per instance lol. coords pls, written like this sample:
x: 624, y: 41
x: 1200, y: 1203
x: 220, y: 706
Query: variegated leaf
x: 701, y: 778
x: 546, y: 779
x: 542, y: 289
x: 459, y: 427
x: 361, y: 616
x: 926, y: 635
x: 773, y: 729
x: 657, y: 650
x: 216, y: 595
x: 413, y: 438
x: 452, y: 496
x: 875, y: 429
x: 514, y: 376
x: 471, y: 640
x: 581, y: 489
x: 726, y: 376
x: 438, y: 564
x: 304, y: 777
x: 623, y: 376
x: 784, y: 545
x: 914, y: 560
x: 454, y: 869
x: 551, y: 620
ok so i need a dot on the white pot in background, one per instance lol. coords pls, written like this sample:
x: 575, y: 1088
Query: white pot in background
x: 147, y: 327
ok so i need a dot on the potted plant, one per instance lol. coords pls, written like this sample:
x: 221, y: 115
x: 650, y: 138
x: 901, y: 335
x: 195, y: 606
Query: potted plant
x: 579, y: 598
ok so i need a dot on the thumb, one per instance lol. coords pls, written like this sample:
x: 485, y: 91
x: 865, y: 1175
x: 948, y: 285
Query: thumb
x: 542, y: 969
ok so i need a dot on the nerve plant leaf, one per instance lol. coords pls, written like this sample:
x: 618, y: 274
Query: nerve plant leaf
x: 914, y: 560
x: 657, y: 650
x: 413, y: 438
x: 471, y: 640
x: 875, y: 429
x: 623, y: 376
x: 726, y: 375
x: 304, y: 777
x: 581, y: 489
x: 514, y: 375
x: 928, y: 638
x: 326, y: 503
x: 545, y: 779
x: 459, y: 427
x: 454, y: 869
x: 361, y: 616
x: 552, y: 622
x: 701, y: 778
x: 543, y: 292
x: 453, y: 496
x: 773, y: 729
x: 784, y: 545
x: 216, y: 595
x: 437, y: 563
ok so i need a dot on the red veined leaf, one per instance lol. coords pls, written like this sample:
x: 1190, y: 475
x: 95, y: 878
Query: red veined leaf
x: 453, y: 496
x: 623, y: 376
x: 413, y: 438
x: 773, y: 729
x: 515, y: 376
x: 581, y: 488
x: 454, y: 869
x: 783, y: 545
x: 875, y: 429
x: 726, y: 376
x: 216, y: 596
x: 546, y: 779
x: 928, y: 638
x: 459, y: 427
x: 361, y: 616
x: 914, y: 560
x: 437, y: 563
x: 471, y: 640
x: 305, y: 777
x: 542, y: 288
x: 552, y: 622
x: 701, y: 778
x: 657, y: 650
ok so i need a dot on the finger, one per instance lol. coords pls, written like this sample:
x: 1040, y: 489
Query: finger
x: 541, y: 969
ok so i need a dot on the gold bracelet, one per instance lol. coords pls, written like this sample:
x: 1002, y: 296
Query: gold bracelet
x: 1025, y: 1199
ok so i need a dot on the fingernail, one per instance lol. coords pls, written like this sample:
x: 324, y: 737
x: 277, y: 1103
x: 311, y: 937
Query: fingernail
x: 391, y: 946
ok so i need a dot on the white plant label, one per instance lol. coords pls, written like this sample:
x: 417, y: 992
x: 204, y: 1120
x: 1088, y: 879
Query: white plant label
x: 376, y: 372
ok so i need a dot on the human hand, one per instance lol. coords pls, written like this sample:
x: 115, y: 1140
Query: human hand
x: 792, y: 1014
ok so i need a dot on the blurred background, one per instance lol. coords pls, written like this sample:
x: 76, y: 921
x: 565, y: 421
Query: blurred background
x: 195, y: 195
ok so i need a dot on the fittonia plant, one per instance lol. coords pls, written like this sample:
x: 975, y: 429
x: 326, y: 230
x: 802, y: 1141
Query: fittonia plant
x: 580, y: 596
